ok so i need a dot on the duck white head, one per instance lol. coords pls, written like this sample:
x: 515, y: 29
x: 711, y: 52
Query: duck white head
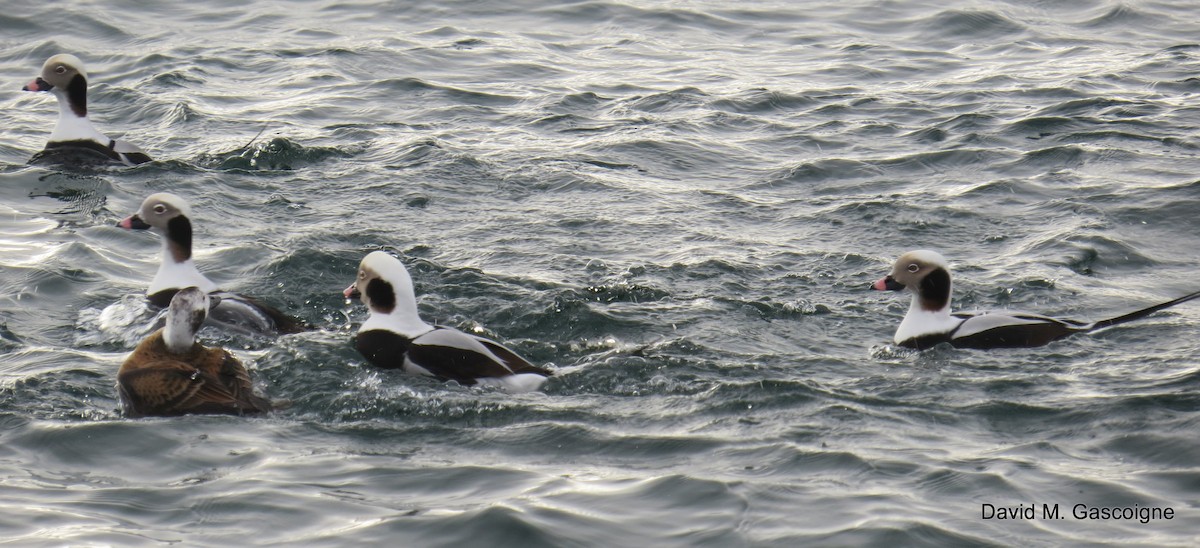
x: 169, y: 216
x: 927, y: 274
x: 64, y: 76
x: 385, y: 287
x: 187, y: 312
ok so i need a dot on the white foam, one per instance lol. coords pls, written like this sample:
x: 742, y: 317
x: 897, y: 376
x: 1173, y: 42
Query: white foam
x: 521, y: 382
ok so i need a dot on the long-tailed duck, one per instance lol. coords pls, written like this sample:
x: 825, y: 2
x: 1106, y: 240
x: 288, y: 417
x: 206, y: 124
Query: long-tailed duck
x: 394, y: 337
x: 74, y: 136
x: 168, y: 215
x: 929, y: 320
x: 171, y: 374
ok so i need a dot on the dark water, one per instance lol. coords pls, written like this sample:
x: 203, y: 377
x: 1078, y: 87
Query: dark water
x: 678, y: 206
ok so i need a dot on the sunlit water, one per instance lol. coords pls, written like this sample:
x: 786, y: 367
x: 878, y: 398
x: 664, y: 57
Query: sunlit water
x: 678, y: 206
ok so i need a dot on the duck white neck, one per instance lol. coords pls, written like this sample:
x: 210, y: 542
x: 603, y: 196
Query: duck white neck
x: 71, y: 126
x: 407, y: 324
x: 922, y: 321
x: 172, y: 274
x: 177, y: 336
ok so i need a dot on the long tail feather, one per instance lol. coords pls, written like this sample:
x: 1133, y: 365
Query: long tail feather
x: 1143, y: 312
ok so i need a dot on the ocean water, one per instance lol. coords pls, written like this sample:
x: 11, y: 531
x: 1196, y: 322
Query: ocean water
x: 677, y: 206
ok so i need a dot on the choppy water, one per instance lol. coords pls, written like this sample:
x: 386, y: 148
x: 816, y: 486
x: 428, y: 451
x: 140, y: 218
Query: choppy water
x: 679, y: 206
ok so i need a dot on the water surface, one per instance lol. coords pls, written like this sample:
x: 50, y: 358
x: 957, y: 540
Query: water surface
x: 678, y: 206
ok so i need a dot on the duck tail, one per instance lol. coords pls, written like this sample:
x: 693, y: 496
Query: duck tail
x: 1138, y: 314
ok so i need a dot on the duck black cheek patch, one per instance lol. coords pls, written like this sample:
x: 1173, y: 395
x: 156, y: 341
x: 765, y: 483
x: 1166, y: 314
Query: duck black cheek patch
x: 179, y: 231
x: 77, y: 95
x: 935, y: 288
x: 197, y: 319
x: 381, y: 295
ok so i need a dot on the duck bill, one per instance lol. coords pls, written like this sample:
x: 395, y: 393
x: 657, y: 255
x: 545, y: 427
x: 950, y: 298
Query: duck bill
x: 133, y: 222
x: 887, y: 284
x: 38, y: 85
x: 352, y: 292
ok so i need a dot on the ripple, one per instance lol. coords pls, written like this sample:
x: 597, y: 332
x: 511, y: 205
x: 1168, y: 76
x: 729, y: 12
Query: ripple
x: 275, y: 154
x: 972, y: 24
x: 1156, y: 450
x: 676, y: 208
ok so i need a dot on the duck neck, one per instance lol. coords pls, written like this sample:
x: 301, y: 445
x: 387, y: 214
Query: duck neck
x: 924, y: 306
x: 407, y: 324
x: 179, y: 339
x: 73, y: 123
x: 924, y: 317
x: 176, y: 269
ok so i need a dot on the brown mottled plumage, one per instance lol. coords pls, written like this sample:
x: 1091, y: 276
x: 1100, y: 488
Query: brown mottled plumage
x: 155, y: 382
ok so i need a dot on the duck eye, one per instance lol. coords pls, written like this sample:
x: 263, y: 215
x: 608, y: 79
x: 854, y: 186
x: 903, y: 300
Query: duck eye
x: 362, y: 274
x: 60, y: 69
x: 160, y: 209
x: 914, y: 267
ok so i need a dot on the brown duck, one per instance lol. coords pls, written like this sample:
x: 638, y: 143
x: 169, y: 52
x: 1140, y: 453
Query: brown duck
x: 171, y: 374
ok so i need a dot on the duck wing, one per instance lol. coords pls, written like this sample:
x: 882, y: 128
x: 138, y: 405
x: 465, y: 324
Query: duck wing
x: 232, y: 309
x: 171, y: 387
x: 128, y: 152
x: 514, y: 362
x: 234, y: 378
x: 1010, y: 330
x: 453, y: 355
